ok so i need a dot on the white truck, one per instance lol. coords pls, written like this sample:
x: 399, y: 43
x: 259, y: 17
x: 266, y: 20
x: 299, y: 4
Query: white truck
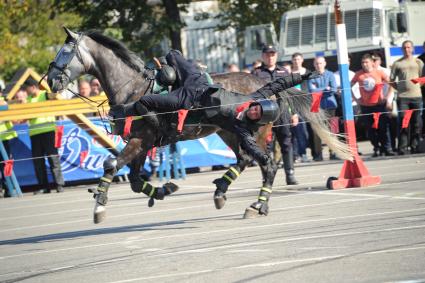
x: 380, y: 25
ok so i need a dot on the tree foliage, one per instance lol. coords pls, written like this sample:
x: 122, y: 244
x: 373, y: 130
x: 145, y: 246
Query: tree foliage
x: 30, y: 31
x: 243, y: 13
x: 141, y: 24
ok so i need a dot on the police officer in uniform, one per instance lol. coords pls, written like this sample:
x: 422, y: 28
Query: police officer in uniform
x: 270, y: 71
x: 42, y: 136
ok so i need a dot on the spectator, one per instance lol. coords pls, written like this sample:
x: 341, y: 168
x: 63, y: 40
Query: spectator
x: 287, y: 66
x: 302, y: 130
x: 422, y: 57
x: 233, y: 68
x: 21, y: 96
x: 96, y: 88
x: 270, y: 71
x: 42, y: 136
x: 7, y: 133
x: 327, y: 85
x: 373, y: 101
x: 84, y: 88
x: 408, y: 96
x: 392, y: 124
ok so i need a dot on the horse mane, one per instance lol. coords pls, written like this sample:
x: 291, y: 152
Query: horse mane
x: 119, y: 49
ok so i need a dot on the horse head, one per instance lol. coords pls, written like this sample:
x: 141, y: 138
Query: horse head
x: 69, y: 63
x: 122, y: 74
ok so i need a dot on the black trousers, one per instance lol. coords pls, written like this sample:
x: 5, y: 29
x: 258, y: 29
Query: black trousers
x: 378, y: 137
x: 283, y: 133
x: 315, y: 141
x: 412, y: 134
x: 44, y: 145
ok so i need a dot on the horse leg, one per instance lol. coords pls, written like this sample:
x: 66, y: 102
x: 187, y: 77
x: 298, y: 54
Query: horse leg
x: 223, y: 183
x: 138, y: 185
x: 111, y: 166
x: 261, y: 206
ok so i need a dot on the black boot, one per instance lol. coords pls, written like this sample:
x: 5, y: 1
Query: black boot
x: 288, y: 164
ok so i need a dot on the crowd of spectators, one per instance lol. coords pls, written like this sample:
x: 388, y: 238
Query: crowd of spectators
x: 375, y: 89
x: 41, y: 131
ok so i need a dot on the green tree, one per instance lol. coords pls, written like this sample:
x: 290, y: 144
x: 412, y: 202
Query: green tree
x: 142, y: 25
x: 241, y: 14
x: 30, y: 33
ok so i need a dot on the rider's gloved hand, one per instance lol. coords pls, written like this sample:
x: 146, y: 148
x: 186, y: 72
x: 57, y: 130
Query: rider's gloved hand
x: 310, y: 75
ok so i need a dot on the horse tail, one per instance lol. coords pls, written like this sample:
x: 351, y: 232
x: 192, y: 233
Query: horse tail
x: 300, y: 103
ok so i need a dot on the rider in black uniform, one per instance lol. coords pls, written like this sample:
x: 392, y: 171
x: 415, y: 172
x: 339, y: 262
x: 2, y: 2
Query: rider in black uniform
x: 190, y: 89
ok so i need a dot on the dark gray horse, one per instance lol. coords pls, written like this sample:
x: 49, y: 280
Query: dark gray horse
x: 125, y: 78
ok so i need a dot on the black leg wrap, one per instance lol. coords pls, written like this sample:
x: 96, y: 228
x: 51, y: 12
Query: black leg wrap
x: 102, y: 198
x: 222, y: 184
x: 100, y: 194
x: 158, y: 193
x: 261, y: 207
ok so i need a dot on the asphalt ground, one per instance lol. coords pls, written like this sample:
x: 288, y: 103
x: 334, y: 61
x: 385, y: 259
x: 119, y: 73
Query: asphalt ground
x: 374, y: 234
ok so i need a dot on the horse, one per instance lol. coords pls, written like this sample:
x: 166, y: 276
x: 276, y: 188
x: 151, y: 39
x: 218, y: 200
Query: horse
x: 125, y: 77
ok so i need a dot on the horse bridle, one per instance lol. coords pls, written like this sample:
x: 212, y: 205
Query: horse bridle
x: 147, y: 73
x: 75, y: 52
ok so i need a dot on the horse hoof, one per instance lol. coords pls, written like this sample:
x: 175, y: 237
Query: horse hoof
x: 99, y: 214
x: 219, y: 200
x: 251, y: 213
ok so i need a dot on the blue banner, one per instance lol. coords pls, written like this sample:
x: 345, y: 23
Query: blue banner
x: 206, y: 151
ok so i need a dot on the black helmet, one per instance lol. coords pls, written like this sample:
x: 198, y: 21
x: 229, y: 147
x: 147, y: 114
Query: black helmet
x: 166, y: 75
x: 269, y: 111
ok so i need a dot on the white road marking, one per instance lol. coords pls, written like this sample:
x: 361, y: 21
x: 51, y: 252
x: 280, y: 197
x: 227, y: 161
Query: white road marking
x: 259, y: 243
x: 128, y: 192
x: 256, y: 226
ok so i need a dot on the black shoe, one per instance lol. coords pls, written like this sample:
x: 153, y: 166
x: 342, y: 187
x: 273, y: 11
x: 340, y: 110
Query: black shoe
x: 401, y: 152
x: 375, y: 154
x: 318, y: 158
x: 42, y: 191
x: 60, y: 189
x: 388, y: 153
x: 290, y: 180
x: 333, y: 156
